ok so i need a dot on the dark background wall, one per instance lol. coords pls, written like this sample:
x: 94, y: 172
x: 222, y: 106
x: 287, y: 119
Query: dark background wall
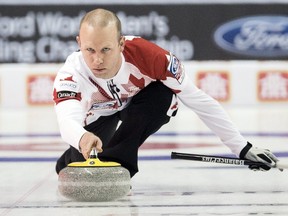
x: 46, y: 33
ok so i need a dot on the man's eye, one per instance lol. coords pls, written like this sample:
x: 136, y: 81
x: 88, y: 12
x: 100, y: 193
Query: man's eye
x: 105, y: 49
x: 90, y: 50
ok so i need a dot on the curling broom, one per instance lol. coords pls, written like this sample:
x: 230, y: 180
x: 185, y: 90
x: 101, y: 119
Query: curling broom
x: 281, y: 164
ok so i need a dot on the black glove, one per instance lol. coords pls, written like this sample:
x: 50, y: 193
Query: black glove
x: 258, y: 155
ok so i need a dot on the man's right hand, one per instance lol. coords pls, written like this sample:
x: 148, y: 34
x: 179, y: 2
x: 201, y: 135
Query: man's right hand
x: 259, y: 155
x: 89, y: 141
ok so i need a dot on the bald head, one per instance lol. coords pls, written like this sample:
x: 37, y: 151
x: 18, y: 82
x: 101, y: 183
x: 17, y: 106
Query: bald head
x: 102, y: 18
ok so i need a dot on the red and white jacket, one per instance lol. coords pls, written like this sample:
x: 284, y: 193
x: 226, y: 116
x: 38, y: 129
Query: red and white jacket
x: 81, y: 98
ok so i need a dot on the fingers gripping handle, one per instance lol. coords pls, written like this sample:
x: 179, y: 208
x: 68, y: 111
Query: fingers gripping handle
x: 264, y: 156
x: 93, y: 153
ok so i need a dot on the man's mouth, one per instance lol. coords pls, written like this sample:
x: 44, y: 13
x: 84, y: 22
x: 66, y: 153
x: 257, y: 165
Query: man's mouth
x: 99, y: 70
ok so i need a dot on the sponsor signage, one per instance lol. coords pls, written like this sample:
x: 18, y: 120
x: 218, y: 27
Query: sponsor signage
x: 46, y: 33
x: 258, y: 36
x: 215, y: 83
x: 40, y: 89
x: 272, y: 86
x: 230, y: 82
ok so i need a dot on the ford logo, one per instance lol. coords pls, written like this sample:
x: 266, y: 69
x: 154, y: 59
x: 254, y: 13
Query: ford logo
x: 260, y: 36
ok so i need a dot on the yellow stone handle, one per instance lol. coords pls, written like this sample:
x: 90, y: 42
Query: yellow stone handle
x: 94, y: 162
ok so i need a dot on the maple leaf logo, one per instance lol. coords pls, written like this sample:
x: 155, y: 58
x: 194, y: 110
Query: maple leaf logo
x: 134, y: 84
x: 137, y: 82
x: 68, y: 79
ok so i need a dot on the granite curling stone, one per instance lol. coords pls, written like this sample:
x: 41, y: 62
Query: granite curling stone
x: 94, y: 181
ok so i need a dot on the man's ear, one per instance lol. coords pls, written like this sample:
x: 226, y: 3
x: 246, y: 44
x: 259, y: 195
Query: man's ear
x: 78, y: 41
x: 122, y: 43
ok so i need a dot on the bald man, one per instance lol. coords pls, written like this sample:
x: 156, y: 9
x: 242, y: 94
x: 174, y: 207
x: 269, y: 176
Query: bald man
x: 117, y: 90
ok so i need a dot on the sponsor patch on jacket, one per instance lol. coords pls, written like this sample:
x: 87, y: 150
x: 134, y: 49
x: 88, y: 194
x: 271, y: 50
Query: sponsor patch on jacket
x: 176, y: 68
x: 59, y: 96
x: 66, y: 94
x: 68, y: 86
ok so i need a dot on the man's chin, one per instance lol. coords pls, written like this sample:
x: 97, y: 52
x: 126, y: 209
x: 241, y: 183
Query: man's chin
x: 100, y: 73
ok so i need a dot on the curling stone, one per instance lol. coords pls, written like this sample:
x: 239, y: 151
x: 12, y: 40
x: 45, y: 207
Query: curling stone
x: 94, y: 180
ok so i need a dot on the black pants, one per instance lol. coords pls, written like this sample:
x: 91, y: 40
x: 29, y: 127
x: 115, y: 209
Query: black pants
x: 144, y: 116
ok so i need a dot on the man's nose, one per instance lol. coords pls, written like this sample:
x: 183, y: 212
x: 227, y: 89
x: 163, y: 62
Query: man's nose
x: 98, y: 59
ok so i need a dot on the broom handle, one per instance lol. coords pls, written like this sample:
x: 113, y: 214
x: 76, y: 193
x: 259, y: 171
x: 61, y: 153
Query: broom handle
x: 213, y: 159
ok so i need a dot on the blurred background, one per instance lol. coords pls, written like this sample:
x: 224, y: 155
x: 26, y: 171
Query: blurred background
x: 236, y: 51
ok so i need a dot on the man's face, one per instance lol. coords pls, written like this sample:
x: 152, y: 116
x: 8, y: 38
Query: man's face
x: 101, y: 49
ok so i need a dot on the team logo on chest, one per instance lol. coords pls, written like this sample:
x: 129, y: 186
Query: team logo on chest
x: 104, y: 105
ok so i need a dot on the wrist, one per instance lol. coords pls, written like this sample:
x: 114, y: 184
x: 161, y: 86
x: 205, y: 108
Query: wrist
x: 245, y: 150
